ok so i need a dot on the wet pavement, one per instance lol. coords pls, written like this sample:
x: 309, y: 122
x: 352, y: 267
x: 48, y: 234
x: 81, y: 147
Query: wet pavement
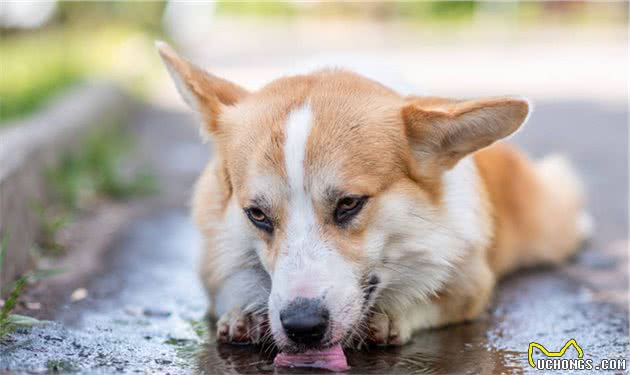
x: 145, y: 309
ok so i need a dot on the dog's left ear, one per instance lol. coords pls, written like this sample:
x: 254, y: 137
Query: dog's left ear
x: 205, y: 93
x: 444, y: 131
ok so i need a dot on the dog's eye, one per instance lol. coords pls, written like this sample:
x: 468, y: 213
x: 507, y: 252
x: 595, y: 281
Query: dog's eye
x: 348, y: 207
x: 259, y: 219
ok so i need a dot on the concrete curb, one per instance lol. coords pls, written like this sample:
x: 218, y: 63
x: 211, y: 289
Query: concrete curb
x: 29, y: 146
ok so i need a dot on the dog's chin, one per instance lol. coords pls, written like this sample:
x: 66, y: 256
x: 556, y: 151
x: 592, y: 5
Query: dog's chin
x: 356, y: 336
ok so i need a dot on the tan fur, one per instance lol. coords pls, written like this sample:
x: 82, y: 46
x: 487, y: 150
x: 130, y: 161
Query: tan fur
x: 206, y: 209
x: 535, y: 214
x: 368, y: 140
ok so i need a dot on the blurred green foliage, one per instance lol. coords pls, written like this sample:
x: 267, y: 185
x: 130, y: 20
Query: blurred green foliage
x: 257, y: 8
x: 32, y: 70
x: 114, y: 38
x: 419, y: 10
x: 52, y: 220
x: 144, y: 15
x: 96, y: 171
x: 435, y: 10
x: 8, y: 320
x: 36, y: 65
x: 85, y: 39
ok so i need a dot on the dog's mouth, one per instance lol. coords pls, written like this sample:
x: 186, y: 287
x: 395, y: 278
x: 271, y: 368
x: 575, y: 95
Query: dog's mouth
x: 329, y: 354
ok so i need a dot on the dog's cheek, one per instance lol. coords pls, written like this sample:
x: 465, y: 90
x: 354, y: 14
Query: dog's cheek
x: 350, y: 243
x: 267, y: 255
x: 269, y: 249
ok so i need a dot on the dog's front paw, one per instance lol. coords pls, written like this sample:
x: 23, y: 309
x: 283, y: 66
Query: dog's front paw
x: 239, y: 327
x: 385, y: 330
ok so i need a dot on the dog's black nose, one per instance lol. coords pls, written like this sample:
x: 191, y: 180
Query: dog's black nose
x: 305, y: 321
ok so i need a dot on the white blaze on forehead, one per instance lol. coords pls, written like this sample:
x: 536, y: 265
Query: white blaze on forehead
x: 303, y: 243
x: 302, y: 238
x: 307, y: 265
x: 297, y: 129
x: 301, y: 224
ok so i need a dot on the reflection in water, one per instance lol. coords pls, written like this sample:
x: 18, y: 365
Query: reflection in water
x: 460, y: 349
x: 547, y: 305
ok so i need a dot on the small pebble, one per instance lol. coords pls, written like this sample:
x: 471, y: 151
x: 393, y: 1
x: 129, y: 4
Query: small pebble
x: 78, y: 294
x: 33, y: 305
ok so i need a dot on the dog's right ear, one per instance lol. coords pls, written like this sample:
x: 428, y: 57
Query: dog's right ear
x: 442, y: 131
x: 203, y: 92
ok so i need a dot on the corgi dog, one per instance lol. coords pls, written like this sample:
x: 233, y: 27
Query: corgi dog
x: 337, y: 211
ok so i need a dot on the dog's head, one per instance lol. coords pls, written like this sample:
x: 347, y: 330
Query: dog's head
x: 341, y: 184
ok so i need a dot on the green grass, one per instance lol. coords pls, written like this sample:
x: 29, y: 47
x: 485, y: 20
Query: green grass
x: 8, y: 321
x: 83, y: 178
x: 51, y: 222
x: 188, y: 349
x: 96, y: 171
x: 200, y: 327
x: 4, y: 245
x: 60, y: 365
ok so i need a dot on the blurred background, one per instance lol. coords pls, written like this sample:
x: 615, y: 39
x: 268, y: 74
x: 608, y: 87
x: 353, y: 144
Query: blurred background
x: 81, y: 208
x: 546, y: 50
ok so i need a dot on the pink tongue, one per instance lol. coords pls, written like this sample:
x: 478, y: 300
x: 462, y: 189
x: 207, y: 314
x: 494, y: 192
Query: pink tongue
x: 331, y: 359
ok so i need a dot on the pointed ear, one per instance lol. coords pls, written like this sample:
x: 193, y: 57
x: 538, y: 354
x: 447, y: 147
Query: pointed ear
x: 443, y: 132
x: 202, y: 91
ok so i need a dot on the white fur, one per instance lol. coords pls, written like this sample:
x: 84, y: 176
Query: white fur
x: 463, y: 202
x: 182, y: 87
x: 428, y: 242
x: 297, y: 129
x: 307, y: 265
x: 246, y: 284
x: 423, y: 315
